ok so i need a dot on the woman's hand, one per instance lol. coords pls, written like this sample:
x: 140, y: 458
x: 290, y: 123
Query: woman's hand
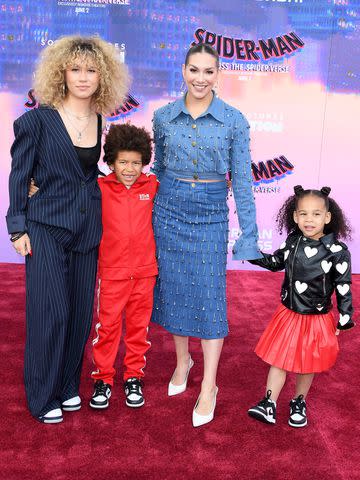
x: 32, y: 189
x: 23, y: 246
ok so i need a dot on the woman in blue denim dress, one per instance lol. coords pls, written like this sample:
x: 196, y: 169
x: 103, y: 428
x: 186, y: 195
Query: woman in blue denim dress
x: 198, y: 140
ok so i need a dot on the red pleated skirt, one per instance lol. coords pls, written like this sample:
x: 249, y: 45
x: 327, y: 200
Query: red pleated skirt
x: 299, y: 343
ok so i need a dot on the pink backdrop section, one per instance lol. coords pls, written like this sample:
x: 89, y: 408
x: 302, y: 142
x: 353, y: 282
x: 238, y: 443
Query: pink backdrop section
x: 11, y: 106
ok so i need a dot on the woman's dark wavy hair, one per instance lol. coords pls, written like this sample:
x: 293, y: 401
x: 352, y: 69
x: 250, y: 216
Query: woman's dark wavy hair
x: 130, y: 138
x: 339, y: 224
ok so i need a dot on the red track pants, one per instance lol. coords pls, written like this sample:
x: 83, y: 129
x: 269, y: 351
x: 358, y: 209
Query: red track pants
x: 135, y: 298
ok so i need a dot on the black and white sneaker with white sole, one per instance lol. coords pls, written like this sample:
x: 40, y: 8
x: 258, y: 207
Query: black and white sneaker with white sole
x: 53, y: 416
x: 133, y: 392
x: 71, y: 404
x: 101, y: 395
x: 265, y: 410
x: 298, y: 412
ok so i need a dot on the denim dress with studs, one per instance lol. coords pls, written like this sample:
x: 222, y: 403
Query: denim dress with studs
x: 191, y: 218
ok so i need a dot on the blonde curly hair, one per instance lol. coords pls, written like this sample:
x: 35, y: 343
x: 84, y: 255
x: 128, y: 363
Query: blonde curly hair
x: 49, y: 83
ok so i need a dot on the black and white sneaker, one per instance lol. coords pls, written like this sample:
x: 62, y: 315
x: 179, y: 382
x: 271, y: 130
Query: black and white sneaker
x: 265, y: 410
x: 101, y: 395
x: 53, y: 416
x: 71, y: 404
x: 298, y: 412
x: 133, y: 391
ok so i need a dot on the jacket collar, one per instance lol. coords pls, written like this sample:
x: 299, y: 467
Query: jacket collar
x: 216, y: 109
x: 328, y: 239
x: 111, y: 178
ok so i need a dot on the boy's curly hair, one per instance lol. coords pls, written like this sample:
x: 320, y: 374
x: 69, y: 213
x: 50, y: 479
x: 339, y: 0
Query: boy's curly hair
x: 338, y: 225
x: 130, y: 138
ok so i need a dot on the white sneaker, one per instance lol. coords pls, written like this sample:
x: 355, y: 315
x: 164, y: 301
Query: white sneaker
x: 176, y: 389
x: 198, y: 419
x: 53, y: 416
x: 72, y: 404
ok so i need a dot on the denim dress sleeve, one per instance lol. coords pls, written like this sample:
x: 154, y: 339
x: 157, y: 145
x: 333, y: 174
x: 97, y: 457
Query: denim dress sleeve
x: 245, y: 247
x: 158, y: 167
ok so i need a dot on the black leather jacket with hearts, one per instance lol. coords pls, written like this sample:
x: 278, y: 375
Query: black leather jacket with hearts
x: 313, y: 270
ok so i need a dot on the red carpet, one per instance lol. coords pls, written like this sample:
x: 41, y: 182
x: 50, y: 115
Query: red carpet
x: 158, y: 441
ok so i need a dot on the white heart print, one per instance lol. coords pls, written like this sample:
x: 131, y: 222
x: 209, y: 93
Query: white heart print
x: 283, y: 245
x: 343, y: 289
x: 344, y: 319
x: 325, y: 265
x: 319, y: 308
x: 341, y: 267
x: 286, y: 254
x: 335, y: 248
x: 310, y: 252
x: 301, y: 287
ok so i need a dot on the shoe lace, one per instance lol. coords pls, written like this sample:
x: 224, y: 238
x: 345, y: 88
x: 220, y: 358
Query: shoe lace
x: 134, y: 385
x: 100, y: 388
x: 298, y: 405
x: 266, y: 400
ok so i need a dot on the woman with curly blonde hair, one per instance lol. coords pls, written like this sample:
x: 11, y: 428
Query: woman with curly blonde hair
x: 58, y: 229
x: 50, y: 76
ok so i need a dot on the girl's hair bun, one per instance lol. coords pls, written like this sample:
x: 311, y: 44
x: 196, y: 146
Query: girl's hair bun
x: 325, y: 191
x: 298, y: 189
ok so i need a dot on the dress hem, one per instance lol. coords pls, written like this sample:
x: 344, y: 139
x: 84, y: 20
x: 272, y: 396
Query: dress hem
x: 183, y: 333
x: 297, y: 371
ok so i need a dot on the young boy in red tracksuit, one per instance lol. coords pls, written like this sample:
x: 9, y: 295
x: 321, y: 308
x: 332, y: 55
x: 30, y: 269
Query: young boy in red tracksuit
x: 127, y: 263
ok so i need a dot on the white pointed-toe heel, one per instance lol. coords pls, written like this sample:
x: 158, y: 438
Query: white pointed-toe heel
x: 199, y: 420
x: 176, y: 389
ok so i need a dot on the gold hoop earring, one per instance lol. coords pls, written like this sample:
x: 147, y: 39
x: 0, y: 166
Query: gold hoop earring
x: 63, y: 90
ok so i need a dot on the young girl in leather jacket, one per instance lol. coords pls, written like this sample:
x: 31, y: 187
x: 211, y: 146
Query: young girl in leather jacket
x: 302, y: 337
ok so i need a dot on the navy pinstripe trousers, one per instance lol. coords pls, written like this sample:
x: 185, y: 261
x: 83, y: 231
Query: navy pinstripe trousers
x: 60, y: 285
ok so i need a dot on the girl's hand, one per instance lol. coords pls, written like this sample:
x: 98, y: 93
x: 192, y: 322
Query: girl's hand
x: 337, y: 331
x: 23, y: 246
x: 32, y: 188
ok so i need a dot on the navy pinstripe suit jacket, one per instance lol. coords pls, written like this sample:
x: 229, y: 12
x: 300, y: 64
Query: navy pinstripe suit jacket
x: 67, y: 199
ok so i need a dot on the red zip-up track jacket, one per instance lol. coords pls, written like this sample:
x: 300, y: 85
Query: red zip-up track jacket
x: 127, y: 247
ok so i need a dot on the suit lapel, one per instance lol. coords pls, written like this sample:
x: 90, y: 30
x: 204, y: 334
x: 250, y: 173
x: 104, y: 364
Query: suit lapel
x: 60, y: 136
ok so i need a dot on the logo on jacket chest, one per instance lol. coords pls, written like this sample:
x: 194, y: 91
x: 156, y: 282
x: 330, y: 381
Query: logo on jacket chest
x: 144, y: 196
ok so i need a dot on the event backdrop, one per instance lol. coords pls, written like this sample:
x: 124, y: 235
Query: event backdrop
x: 291, y: 66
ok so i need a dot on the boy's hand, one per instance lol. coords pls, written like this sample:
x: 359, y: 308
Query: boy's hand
x: 337, y: 331
x: 32, y: 188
